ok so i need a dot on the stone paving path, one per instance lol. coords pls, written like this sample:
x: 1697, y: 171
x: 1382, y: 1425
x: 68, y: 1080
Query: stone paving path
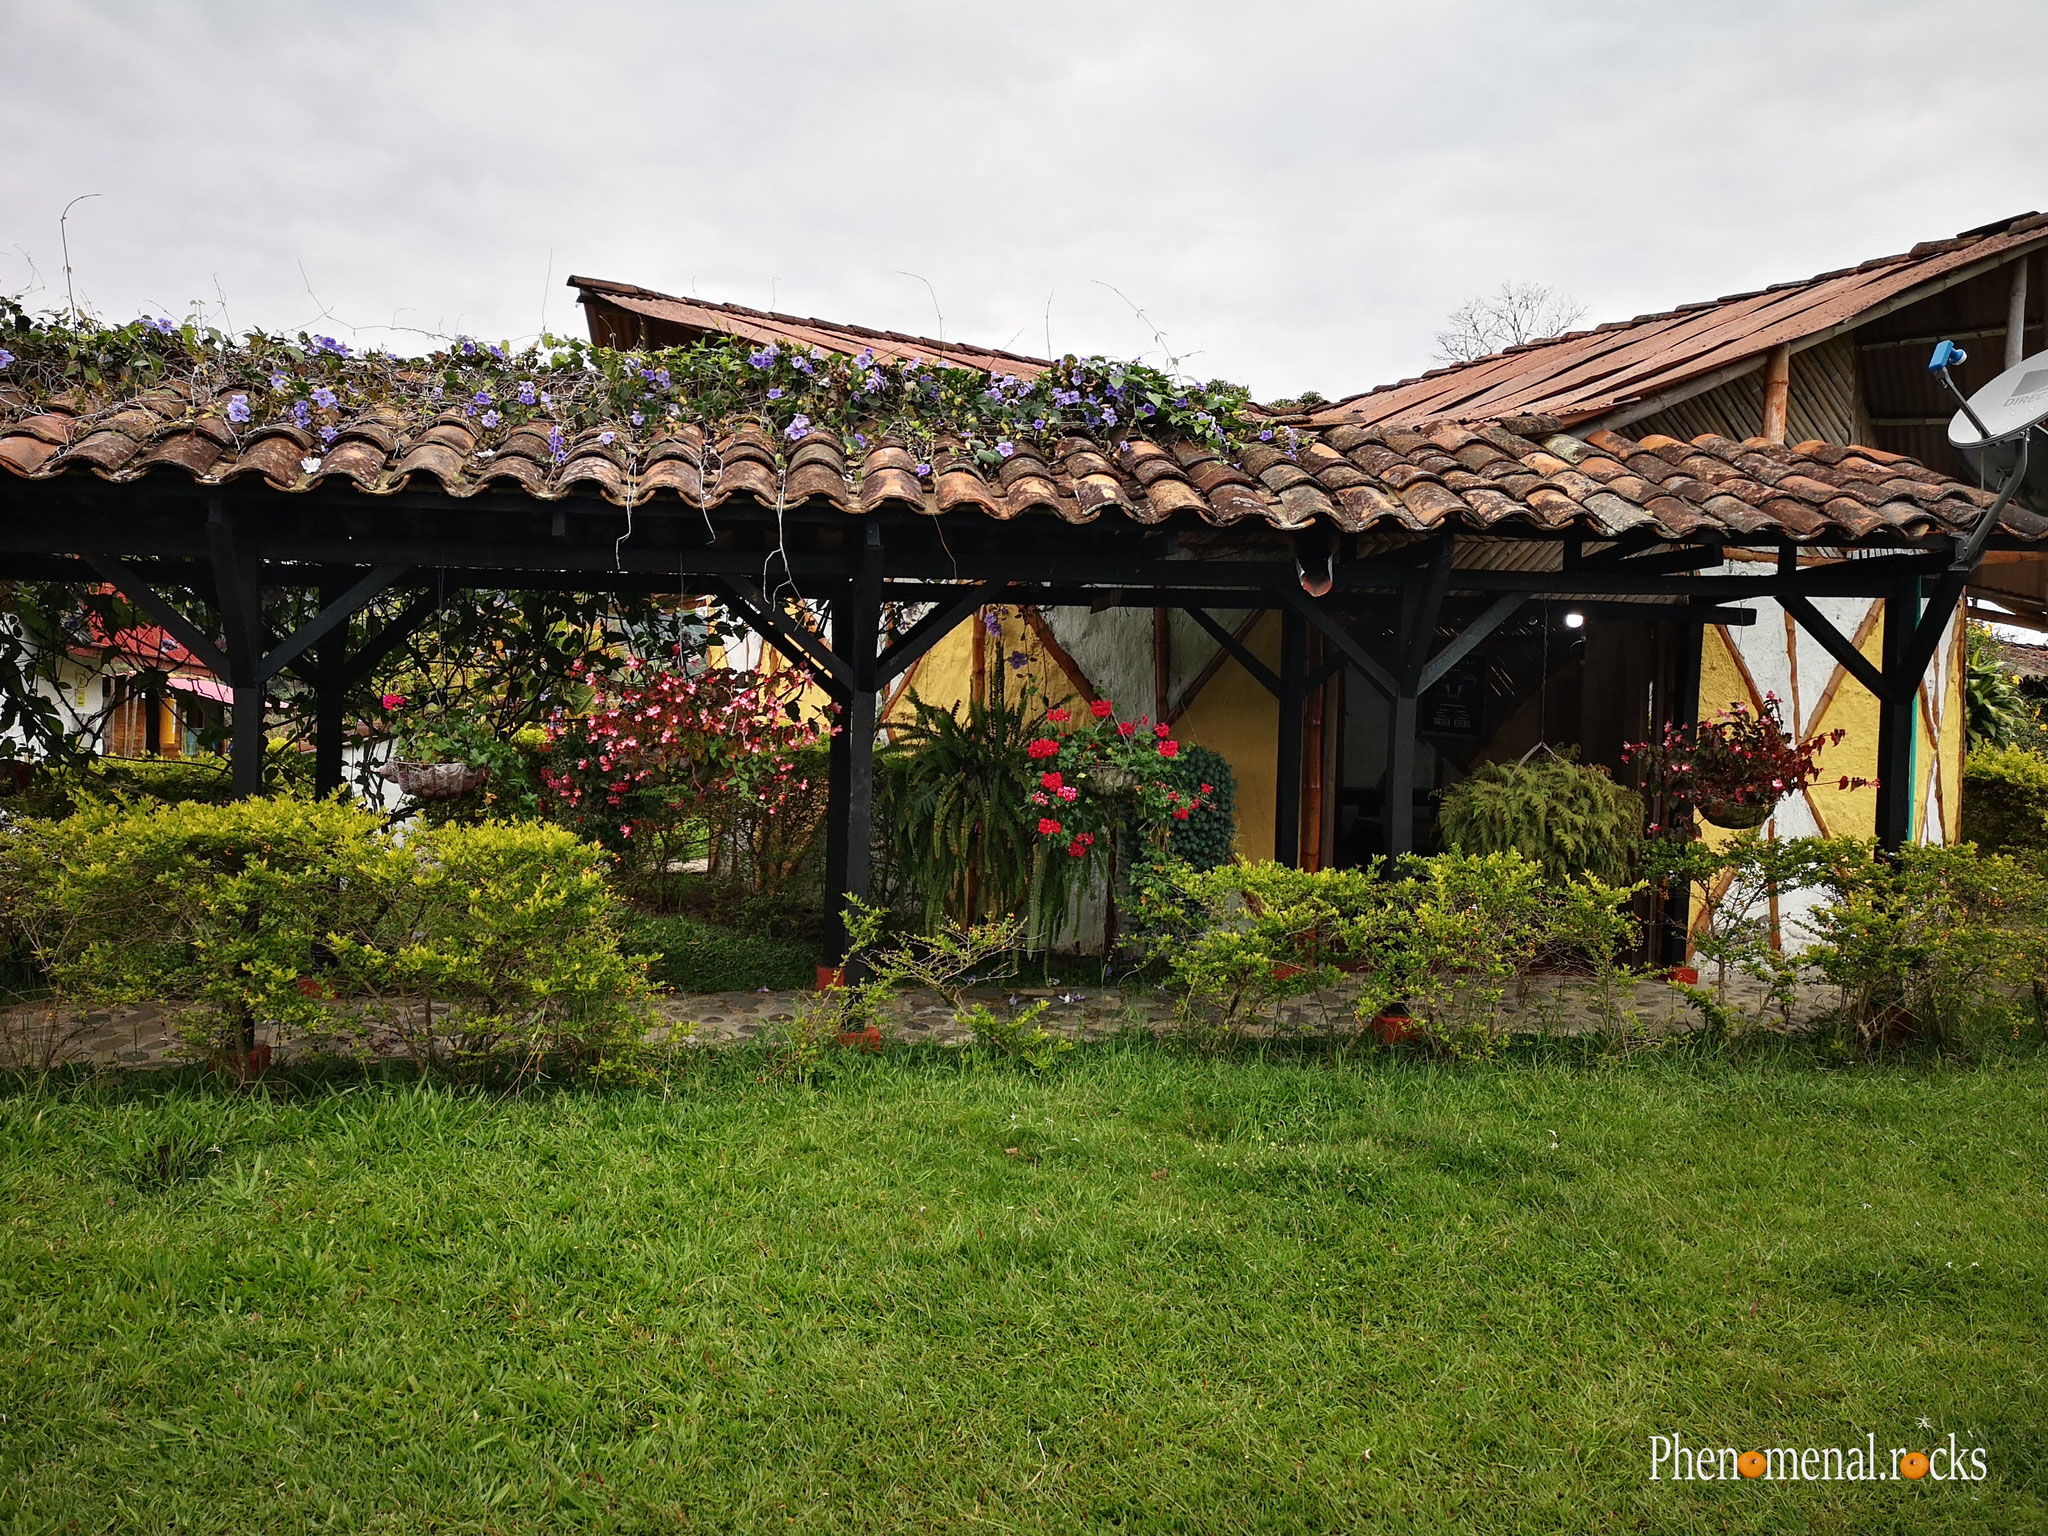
x: 145, y: 1036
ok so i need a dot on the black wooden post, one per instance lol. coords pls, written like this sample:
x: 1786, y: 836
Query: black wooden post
x: 1898, y: 712
x: 330, y: 659
x: 1422, y: 598
x: 237, y: 577
x: 1287, y: 764
x: 850, y: 798
x: 1683, y: 708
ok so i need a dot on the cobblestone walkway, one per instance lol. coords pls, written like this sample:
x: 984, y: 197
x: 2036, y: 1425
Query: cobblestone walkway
x: 145, y: 1036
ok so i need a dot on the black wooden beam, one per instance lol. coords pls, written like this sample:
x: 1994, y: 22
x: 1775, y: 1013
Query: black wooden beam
x: 134, y: 586
x: 333, y: 615
x: 934, y: 627
x: 1261, y: 674
x: 794, y: 641
x: 1836, y: 644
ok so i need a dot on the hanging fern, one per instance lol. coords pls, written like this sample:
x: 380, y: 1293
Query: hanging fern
x: 1571, y: 819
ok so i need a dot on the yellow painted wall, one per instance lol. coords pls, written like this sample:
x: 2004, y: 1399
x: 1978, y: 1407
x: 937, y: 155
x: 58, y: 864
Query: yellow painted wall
x: 1236, y: 717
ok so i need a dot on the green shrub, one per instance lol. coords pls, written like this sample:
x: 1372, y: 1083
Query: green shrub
x: 493, y: 950
x: 1209, y: 836
x: 1570, y: 819
x: 1242, y: 938
x: 495, y: 953
x: 1450, y: 936
x: 2005, y: 799
x: 226, y: 911
x: 688, y: 955
x: 1919, y: 945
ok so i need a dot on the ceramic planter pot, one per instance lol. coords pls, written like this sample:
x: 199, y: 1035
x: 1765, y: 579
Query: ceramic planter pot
x: 868, y: 1040
x: 830, y: 976
x: 1392, y: 1028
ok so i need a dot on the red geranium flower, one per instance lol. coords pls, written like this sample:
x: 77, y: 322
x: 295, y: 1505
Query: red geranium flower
x: 1047, y: 827
x: 1162, y: 730
x: 1125, y: 728
x: 1060, y: 715
x: 1045, y: 746
x: 1169, y: 749
x: 1077, y: 848
x: 1102, y: 709
x: 1049, y: 780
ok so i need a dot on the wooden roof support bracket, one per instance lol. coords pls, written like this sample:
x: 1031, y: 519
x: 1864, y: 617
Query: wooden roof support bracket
x: 1777, y: 392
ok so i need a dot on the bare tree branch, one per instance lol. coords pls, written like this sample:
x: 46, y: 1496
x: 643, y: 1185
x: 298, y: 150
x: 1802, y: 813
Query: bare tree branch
x: 1511, y: 315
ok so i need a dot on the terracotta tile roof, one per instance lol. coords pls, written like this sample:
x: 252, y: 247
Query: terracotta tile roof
x: 1589, y: 374
x: 613, y: 305
x: 1519, y: 475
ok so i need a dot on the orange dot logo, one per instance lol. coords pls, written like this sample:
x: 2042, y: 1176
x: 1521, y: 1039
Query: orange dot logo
x: 1913, y: 1464
x: 1750, y: 1463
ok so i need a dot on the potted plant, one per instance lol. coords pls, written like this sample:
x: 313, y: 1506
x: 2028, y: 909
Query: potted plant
x: 1732, y: 768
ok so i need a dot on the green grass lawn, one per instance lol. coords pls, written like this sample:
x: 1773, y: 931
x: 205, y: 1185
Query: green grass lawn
x: 1149, y: 1292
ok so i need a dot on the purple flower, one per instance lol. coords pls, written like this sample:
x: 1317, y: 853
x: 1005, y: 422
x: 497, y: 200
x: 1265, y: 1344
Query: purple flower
x: 992, y: 622
x: 1266, y: 435
x: 6, y: 358
x: 765, y: 358
x: 278, y: 380
x: 637, y: 419
x: 498, y: 353
x: 328, y: 434
x: 775, y: 393
x: 866, y: 358
x: 1006, y: 448
x: 1038, y: 425
x: 924, y: 469
x: 238, y: 405
x: 873, y: 380
x: 1109, y: 414
x: 859, y: 441
x: 661, y: 377
x: 558, y: 450
x: 161, y: 326
x: 1018, y: 661
x: 607, y: 438
x: 324, y: 398
x: 490, y: 418
x: 482, y: 397
x: 329, y: 344
x: 547, y: 400
x: 798, y: 429
x: 302, y: 413
x: 526, y: 391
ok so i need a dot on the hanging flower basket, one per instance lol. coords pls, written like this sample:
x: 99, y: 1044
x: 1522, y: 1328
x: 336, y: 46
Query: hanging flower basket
x: 1736, y: 815
x: 434, y: 781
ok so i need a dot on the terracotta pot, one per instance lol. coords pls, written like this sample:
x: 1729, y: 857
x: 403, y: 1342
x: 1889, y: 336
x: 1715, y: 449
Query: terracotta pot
x: 244, y: 1065
x: 830, y: 976
x: 1392, y: 1028
x: 1688, y: 975
x: 868, y: 1040
x: 1286, y: 970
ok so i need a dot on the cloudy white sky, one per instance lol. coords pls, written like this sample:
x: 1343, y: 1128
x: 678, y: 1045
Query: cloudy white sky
x: 1295, y: 194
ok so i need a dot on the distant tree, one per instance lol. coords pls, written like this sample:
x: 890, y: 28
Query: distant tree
x: 1512, y: 314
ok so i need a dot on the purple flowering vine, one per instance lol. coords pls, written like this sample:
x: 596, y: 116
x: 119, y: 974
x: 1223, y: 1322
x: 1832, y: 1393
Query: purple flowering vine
x: 238, y: 405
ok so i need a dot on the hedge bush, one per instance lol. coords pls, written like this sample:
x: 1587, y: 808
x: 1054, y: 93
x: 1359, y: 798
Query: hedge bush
x: 2005, y: 800
x: 493, y: 949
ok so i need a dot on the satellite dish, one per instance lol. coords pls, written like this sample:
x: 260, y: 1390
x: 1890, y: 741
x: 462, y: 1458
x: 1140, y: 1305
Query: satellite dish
x: 1992, y: 424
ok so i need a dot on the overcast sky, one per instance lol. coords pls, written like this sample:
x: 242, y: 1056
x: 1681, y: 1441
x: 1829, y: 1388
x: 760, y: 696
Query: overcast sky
x: 1295, y: 194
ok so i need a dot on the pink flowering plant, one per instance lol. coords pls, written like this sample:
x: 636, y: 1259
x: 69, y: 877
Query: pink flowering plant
x: 1732, y: 768
x: 1096, y: 774
x: 664, y: 764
